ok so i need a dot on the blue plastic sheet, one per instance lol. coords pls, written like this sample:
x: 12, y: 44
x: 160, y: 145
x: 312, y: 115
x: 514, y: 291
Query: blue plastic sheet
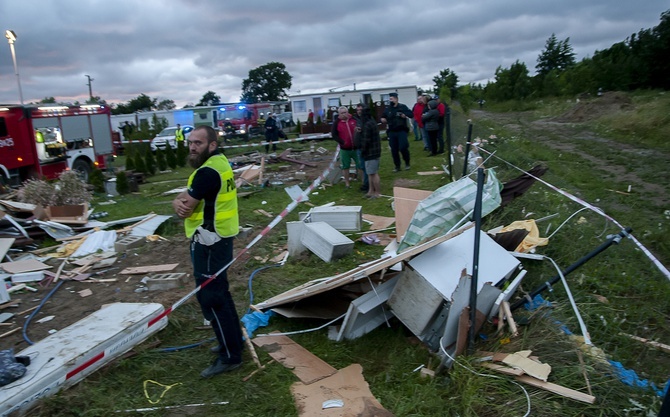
x: 252, y: 321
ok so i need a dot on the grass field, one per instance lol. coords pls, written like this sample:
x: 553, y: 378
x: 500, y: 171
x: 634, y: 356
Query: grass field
x: 618, y: 292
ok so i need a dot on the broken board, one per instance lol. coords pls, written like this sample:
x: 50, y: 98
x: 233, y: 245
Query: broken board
x: 148, y: 269
x: 27, y: 265
x: 71, y: 354
x: 406, y: 200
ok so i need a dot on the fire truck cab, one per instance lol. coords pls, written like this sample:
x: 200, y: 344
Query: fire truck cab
x: 43, y: 141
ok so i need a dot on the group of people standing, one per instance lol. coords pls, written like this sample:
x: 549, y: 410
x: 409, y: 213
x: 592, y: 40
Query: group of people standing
x: 428, y: 123
x: 359, y: 140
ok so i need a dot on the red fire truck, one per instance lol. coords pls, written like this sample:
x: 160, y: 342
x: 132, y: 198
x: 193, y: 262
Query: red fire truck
x: 242, y: 120
x: 43, y: 141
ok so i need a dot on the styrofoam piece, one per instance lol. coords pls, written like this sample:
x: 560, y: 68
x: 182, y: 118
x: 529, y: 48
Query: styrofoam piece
x: 28, y: 277
x: 326, y: 242
x: 71, y: 354
x: 342, y: 218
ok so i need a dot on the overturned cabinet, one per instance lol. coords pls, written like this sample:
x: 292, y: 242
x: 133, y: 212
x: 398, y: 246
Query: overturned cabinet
x: 434, y: 288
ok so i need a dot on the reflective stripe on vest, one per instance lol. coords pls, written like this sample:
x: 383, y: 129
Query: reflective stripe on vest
x: 226, y: 220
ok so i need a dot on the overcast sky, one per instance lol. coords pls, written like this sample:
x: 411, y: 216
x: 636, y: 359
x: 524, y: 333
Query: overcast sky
x: 179, y: 50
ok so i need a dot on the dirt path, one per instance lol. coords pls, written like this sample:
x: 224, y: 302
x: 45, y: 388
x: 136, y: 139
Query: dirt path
x: 628, y: 167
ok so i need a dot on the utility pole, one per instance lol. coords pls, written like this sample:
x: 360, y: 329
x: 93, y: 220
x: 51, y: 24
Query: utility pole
x: 90, y: 89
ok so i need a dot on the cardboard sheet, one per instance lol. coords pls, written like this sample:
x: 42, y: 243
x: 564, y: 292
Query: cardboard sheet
x: 305, y: 365
x: 348, y: 386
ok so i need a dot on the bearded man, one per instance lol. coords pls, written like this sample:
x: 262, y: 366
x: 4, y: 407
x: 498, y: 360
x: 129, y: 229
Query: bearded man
x: 211, y: 221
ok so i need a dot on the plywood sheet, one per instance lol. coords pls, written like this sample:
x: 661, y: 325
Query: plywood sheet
x: 406, y: 200
x: 348, y: 386
x: 149, y: 269
x: 379, y: 222
x: 27, y: 265
x: 305, y: 365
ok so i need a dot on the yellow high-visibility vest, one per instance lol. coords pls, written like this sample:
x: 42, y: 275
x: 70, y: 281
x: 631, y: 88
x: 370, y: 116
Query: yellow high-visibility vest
x: 226, y: 219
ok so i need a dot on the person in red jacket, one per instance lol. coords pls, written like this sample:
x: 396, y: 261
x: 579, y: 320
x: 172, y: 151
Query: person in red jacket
x: 442, y: 109
x: 417, y: 123
x: 343, y: 132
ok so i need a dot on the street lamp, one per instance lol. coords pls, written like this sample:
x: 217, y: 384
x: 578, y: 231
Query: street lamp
x: 11, y: 38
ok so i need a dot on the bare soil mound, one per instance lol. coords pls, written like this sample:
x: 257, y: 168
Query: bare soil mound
x: 608, y: 103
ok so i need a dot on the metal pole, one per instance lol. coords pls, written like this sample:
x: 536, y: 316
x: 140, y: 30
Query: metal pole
x: 610, y: 241
x: 447, y: 125
x: 467, y: 149
x: 475, y: 259
x: 16, y: 69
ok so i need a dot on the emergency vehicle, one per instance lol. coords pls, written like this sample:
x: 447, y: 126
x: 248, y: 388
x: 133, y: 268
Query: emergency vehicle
x: 43, y: 141
x: 243, y: 120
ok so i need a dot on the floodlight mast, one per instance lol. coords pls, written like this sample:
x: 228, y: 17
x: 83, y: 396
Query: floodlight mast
x: 11, y: 38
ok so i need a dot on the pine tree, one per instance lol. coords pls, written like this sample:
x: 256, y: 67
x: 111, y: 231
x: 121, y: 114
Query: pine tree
x: 97, y: 179
x: 182, y: 154
x: 150, y: 162
x: 139, y: 163
x: 130, y: 160
x: 170, y: 157
x: 298, y: 127
x: 160, y: 160
x: 122, y: 183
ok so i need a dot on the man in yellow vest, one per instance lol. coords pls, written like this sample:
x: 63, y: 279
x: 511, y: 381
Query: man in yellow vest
x: 179, y: 134
x: 209, y: 210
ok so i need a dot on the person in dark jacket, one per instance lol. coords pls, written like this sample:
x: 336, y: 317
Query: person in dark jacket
x: 395, y: 116
x: 371, y: 151
x: 271, y: 132
x: 432, y: 125
x: 358, y: 137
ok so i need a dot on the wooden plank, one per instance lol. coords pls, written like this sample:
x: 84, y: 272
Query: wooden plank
x: 305, y: 365
x: 557, y: 389
x: 538, y: 370
x: 148, y: 269
x: 322, y: 285
x: 431, y: 173
x: 502, y: 369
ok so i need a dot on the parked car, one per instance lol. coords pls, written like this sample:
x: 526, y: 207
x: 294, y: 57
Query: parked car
x: 167, y: 135
x: 286, y: 119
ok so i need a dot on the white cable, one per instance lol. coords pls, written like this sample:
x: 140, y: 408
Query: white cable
x: 566, y: 220
x: 304, y: 331
x: 488, y: 376
x: 582, y: 326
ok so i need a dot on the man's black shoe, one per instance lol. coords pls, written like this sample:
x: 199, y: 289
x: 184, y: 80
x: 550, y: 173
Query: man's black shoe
x: 218, y: 367
x: 364, y: 188
x: 216, y: 349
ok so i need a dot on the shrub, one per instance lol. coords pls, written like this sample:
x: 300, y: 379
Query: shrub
x: 122, y: 186
x: 170, y: 158
x: 39, y: 192
x: 139, y: 163
x: 298, y: 127
x: 70, y: 189
x: 150, y: 162
x: 97, y: 180
x: 160, y: 160
x: 182, y: 154
x: 130, y: 159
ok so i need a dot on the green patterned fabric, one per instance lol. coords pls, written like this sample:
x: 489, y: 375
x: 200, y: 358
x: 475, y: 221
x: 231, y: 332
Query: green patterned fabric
x: 442, y: 210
